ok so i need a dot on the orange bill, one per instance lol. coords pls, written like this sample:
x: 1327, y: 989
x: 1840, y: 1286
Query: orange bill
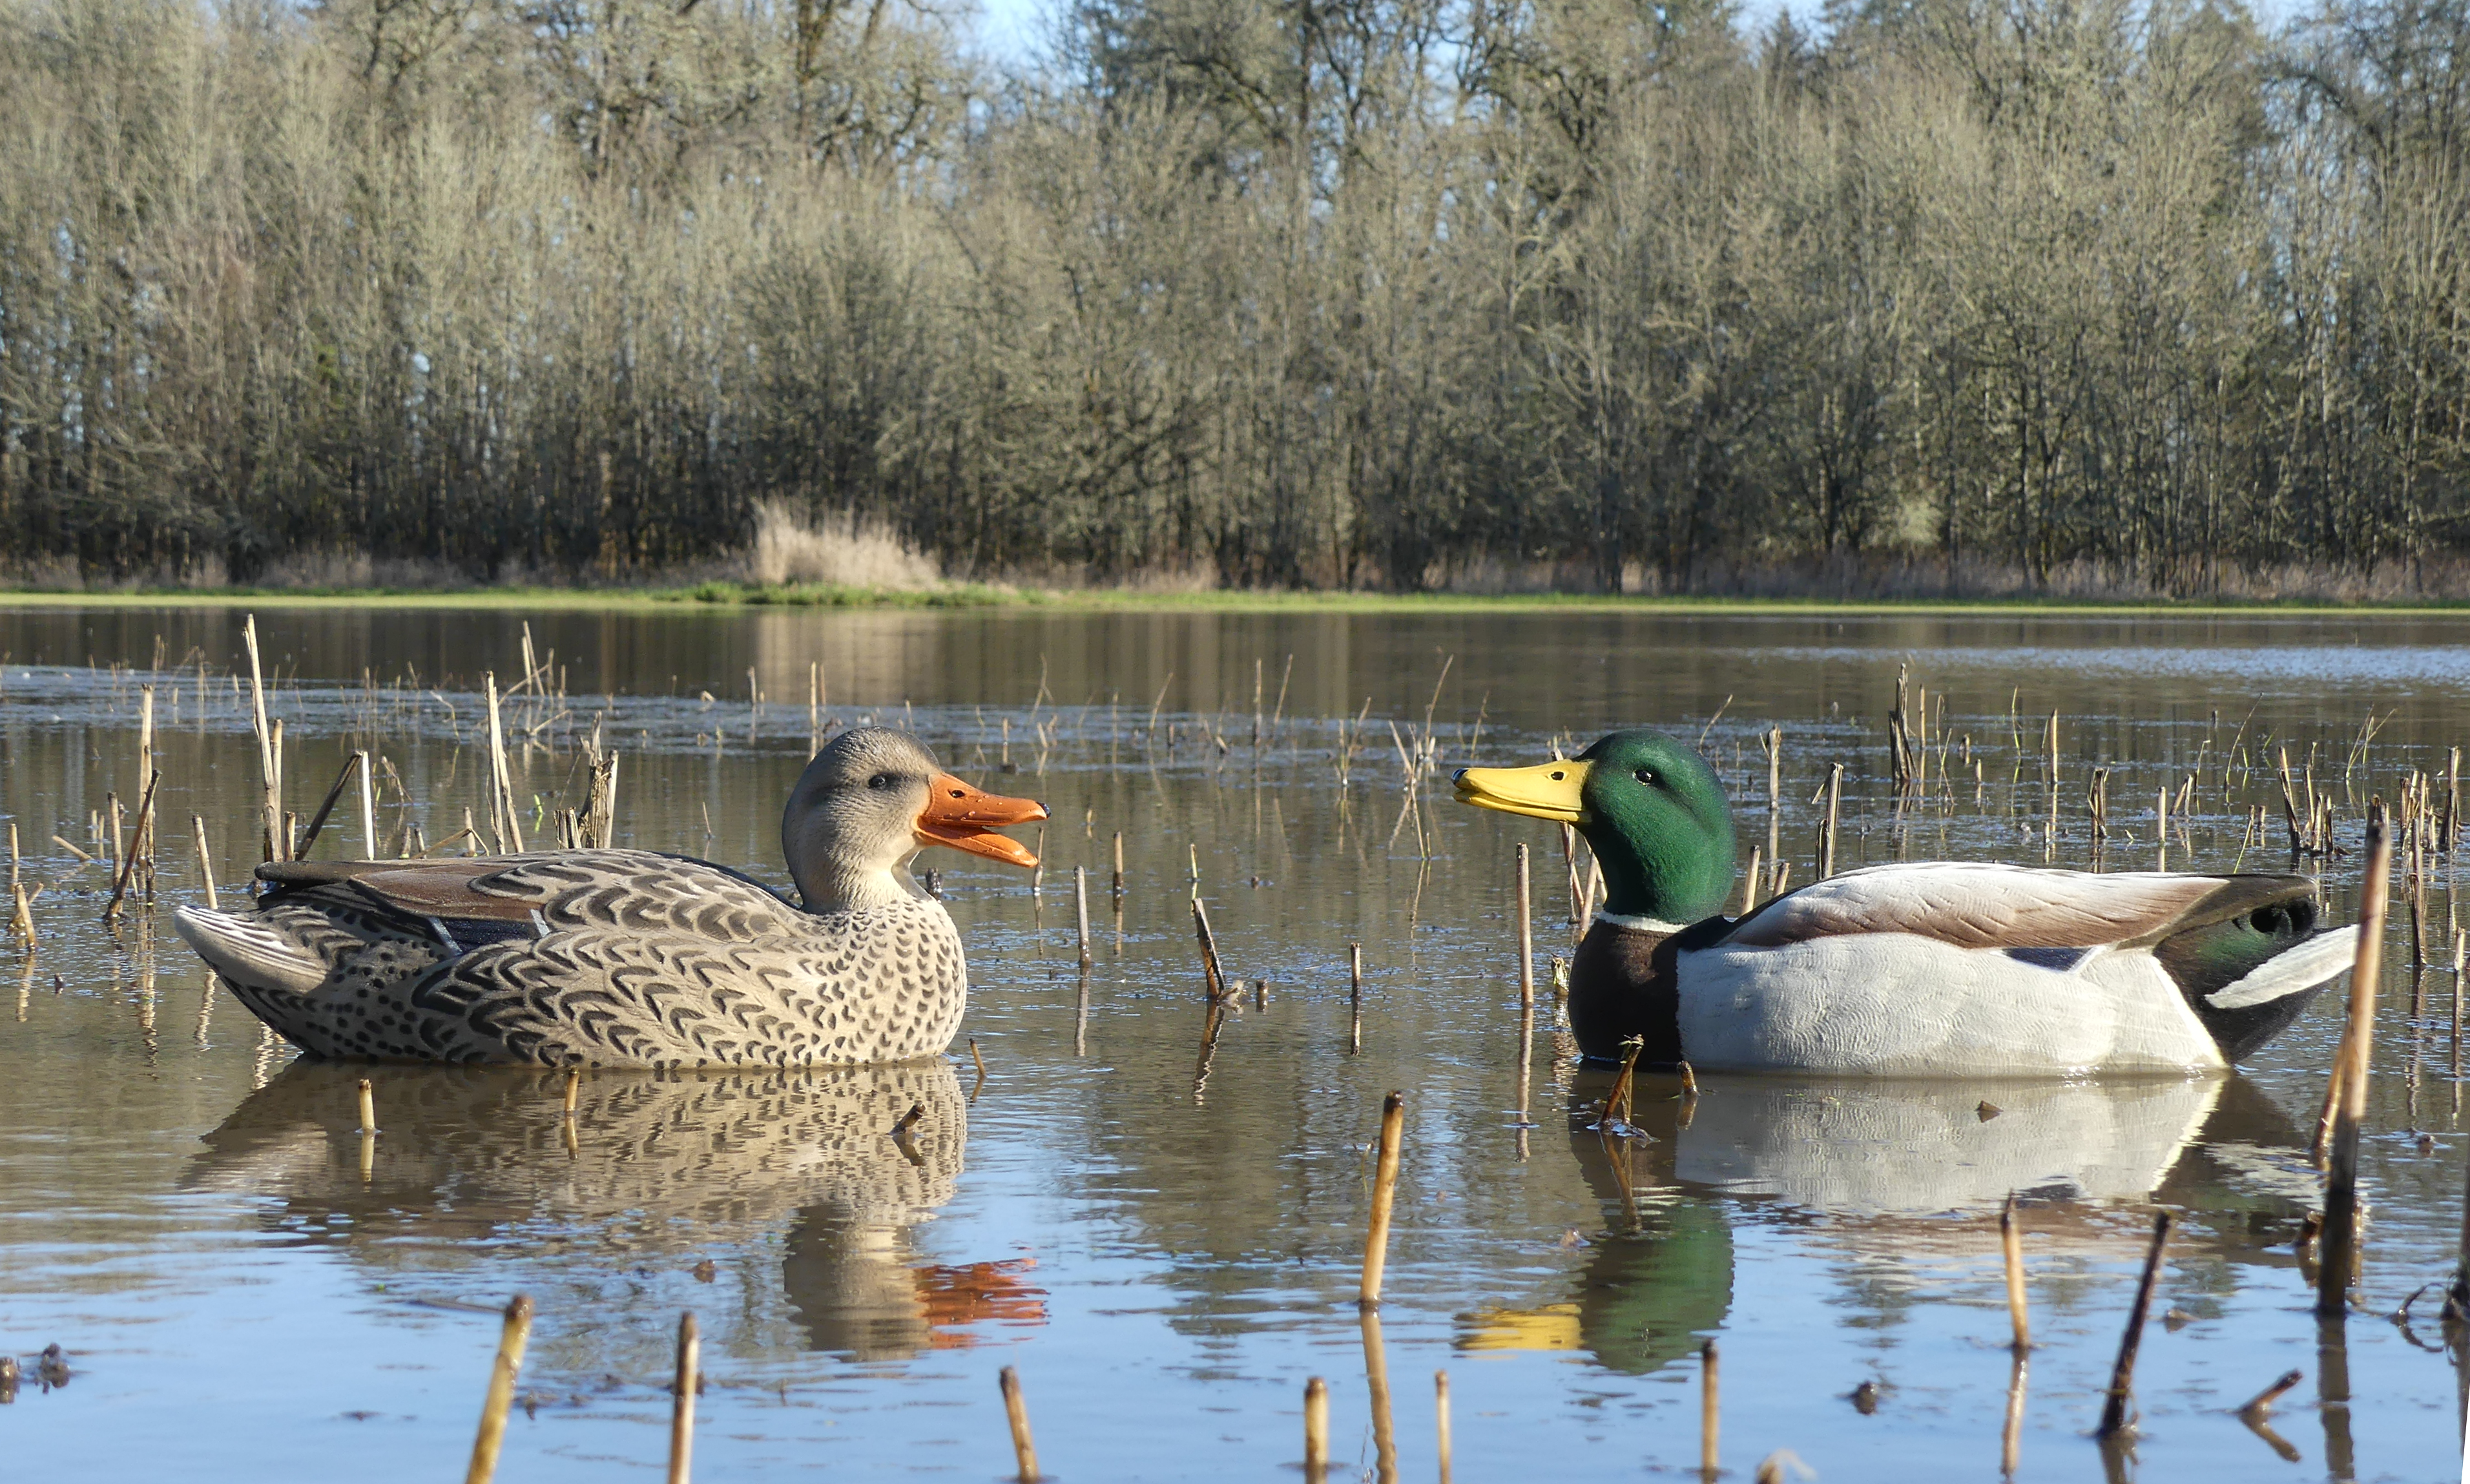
x: 967, y: 819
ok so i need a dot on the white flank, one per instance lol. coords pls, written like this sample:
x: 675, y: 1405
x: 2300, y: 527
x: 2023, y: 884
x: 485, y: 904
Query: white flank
x: 249, y: 953
x: 2303, y: 967
x: 1901, y: 1004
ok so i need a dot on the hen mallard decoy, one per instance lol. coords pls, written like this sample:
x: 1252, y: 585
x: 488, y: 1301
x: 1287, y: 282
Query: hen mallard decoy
x: 1923, y: 969
x: 633, y: 957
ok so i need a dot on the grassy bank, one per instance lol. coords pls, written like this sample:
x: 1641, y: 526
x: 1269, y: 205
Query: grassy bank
x: 726, y: 596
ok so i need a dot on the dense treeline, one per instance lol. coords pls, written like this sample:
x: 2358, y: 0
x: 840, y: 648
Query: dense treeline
x: 1372, y: 292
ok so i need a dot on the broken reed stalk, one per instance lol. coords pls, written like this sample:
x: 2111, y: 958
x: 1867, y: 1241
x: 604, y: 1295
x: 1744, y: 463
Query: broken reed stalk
x: 1616, y: 1102
x: 1707, y: 1411
x: 574, y: 1092
x: 501, y: 1398
x: 1081, y: 902
x: 1316, y: 1430
x: 205, y: 862
x: 1354, y: 999
x: 1384, y: 1189
x: 2122, y: 1374
x: 1834, y: 805
x: 1525, y: 934
x: 1441, y: 1419
x: 502, y: 788
x: 1208, y: 940
x: 368, y: 808
x: 2350, y: 1076
x: 334, y: 796
x: 268, y: 771
x: 682, y: 1407
x: 1024, y: 1451
x: 1118, y: 886
x: 2260, y: 1406
x: 2011, y: 1241
x: 129, y: 857
x: 368, y: 1107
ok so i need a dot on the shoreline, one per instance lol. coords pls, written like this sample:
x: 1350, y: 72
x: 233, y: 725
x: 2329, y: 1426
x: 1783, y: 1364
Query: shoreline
x: 713, y: 597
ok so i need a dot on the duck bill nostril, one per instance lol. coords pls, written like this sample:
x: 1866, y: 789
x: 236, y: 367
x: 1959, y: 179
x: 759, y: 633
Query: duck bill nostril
x: 965, y: 818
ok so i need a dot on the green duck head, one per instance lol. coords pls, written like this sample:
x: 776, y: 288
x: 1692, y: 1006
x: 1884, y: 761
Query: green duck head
x: 1652, y: 809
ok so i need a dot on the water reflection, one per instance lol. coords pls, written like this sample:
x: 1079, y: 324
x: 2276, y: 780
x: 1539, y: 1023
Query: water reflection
x: 1881, y: 1168
x: 474, y: 1163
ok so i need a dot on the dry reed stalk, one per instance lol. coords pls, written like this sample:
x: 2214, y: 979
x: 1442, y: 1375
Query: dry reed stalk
x: 2260, y: 1406
x: 2011, y: 1243
x: 1826, y: 834
x: 1384, y: 1188
x: 1773, y: 745
x: 369, y: 841
x: 267, y: 767
x: 1526, y: 935
x: 334, y: 796
x: 1707, y: 1411
x: 145, y: 847
x: 1355, y: 999
x: 1316, y: 1430
x: 1215, y: 980
x: 21, y: 915
x: 503, y: 823
x: 368, y: 1106
x: 1578, y: 887
x: 501, y: 1398
x: 1024, y: 1451
x: 129, y: 858
x: 573, y: 1093
x: 1616, y: 1102
x: 1750, y: 884
x: 1118, y: 883
x: 2349, y: 1093
x: 2122, y: 1374
x: 1081, y: 905
x: 682, y: 1407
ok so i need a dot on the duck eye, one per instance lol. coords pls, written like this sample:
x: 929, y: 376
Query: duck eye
x: 1645, y: 775
x: 879, y: 780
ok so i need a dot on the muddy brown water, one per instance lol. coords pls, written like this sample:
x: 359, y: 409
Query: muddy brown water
x: 185, y: 1211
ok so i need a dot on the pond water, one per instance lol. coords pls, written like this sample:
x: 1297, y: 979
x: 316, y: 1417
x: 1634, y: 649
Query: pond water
x: 1167, y: 1257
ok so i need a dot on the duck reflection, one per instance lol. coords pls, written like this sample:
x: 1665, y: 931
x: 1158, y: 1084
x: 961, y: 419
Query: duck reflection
x: 649, y: 1170
x: 1890, y: 1168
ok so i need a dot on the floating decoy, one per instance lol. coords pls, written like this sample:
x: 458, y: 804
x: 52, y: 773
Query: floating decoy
x: 633, y: 957
x: 1921, y: 969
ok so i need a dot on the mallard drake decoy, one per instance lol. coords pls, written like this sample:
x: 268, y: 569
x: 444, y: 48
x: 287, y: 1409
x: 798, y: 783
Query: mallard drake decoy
x: 1922, y: 969
x: 633, y: 957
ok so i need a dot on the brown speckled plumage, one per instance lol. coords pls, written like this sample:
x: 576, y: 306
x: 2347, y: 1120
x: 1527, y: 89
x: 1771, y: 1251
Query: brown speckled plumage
x: 622, y: 958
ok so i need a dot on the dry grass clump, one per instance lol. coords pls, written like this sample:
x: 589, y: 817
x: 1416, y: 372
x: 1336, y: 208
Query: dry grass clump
x: 840, y: 551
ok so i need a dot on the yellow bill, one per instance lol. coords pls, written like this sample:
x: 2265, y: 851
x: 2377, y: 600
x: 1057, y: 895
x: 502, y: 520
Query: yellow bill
x: 1547, y: 791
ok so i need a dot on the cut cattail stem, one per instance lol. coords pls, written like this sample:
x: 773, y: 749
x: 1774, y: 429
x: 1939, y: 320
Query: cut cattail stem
x: 368, y: 1107
x: 2122, y: 1376
x: 1526, y: 935
x: 130, y: 856
x: 1441, y: 1419
x: 492, y: 1436
x: 1024, y: 1452
x: 1384, y: 1187
x: 2350, y: 1067
x: 1080, y: 903
x: 1750, y: 883
x: 1834, y: 804
x: 2260, y: 1406
x: 682, y: 1406
x: 1119, y: 865
x: 1316, y: 1430
x: 205, y: 862
x: 1708, y: 1427
x: 1212, y: 978
x: 1354, y: 999
x: 2011, y: 1240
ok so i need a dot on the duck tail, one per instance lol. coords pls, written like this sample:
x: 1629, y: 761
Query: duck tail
x: 248, y: 951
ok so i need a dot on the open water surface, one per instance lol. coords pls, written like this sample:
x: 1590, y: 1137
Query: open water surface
x: 185, y: 1211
